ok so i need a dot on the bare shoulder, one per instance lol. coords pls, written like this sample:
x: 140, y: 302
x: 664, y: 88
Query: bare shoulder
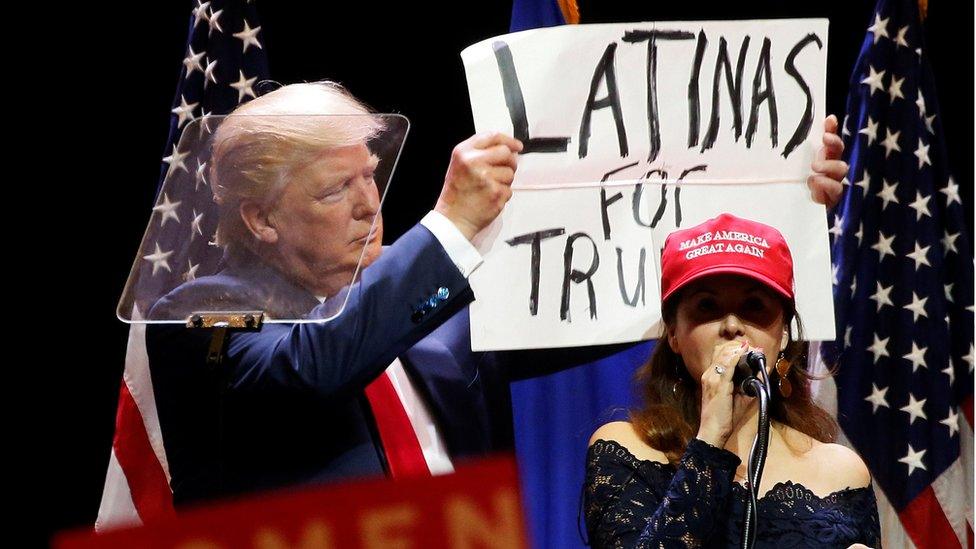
x: 841, y: 465
x: 623, y: 433
x: 822, y: 466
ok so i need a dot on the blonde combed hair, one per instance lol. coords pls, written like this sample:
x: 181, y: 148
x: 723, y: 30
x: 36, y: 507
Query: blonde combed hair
x: 257, y: 146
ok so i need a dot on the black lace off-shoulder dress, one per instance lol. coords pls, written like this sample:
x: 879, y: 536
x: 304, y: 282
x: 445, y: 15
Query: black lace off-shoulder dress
x: 633, y: 503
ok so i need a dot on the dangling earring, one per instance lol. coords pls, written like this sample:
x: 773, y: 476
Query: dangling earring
x: 677, y: 375
x: 782, y: 370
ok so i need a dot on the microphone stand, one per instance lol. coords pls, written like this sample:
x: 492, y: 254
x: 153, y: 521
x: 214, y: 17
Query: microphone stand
x: 760, y: 389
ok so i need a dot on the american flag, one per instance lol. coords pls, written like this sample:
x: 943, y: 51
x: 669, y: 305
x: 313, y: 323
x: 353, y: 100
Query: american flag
x: 224, y: 61
x: 903, y: 293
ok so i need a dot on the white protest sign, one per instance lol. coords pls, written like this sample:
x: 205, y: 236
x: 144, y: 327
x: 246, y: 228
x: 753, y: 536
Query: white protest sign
x: 632, y: 130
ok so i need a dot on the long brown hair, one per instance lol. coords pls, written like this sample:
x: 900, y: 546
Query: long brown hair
x: 671, y: 412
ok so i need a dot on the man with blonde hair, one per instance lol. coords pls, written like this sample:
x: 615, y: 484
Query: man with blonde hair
x: 292, y: 173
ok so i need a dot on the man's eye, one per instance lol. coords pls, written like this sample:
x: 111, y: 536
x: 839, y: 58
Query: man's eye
x: 337, y: 192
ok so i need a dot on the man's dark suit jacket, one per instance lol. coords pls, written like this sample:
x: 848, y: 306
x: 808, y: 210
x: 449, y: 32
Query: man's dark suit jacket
x: 287, y: 406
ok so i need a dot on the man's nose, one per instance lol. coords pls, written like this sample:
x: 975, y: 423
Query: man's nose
x: 367, y: 200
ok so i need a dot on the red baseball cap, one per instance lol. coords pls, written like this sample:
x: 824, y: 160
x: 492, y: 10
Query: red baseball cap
x: 727, y: 244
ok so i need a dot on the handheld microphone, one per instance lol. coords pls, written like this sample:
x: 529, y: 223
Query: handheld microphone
x: 748, y: 366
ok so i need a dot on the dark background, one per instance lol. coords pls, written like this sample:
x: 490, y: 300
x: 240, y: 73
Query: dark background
x: 397, y: 59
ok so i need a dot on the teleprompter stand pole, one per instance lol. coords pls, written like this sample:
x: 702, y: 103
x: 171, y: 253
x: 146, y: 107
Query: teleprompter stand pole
x: 220, y: 323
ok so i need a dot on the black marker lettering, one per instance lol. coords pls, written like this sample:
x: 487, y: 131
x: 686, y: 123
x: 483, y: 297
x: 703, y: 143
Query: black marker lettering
x: 653, y: 121
x: 576, y: 276
x: 661, y: 207
x: 639, y: 290
x: 763, y: 73
x: 605, y: 202
x: 734, y: 88
x: 535, y: 239
x: 694, y: 100
x: 803, y: 128
x: 604, y: 72
x: 516, y: 106
x: 677, y: 191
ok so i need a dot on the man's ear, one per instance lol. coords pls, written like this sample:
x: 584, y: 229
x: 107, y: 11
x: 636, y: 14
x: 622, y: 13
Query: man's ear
x: 258, y: 221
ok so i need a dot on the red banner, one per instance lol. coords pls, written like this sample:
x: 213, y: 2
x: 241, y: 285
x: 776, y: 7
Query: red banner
x: 478, y: 506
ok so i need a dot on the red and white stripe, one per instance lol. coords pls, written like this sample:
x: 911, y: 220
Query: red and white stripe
x: 942, y: 515
x: 137, y: 482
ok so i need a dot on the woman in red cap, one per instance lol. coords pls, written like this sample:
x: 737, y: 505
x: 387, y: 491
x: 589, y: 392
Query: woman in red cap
x: 673, y: 476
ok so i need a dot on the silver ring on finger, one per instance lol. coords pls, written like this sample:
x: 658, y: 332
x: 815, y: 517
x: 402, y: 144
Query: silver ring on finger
x: 719, y: 369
